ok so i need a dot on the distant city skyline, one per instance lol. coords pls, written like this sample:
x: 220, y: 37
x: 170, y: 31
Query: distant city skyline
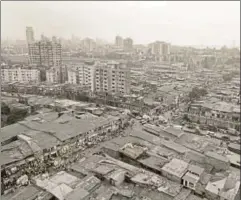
x: 180, y: 23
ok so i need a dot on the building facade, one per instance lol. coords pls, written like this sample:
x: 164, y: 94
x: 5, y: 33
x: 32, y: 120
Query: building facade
x: 84, y: 74
x: 19, y: 74
x: 72, y: 76
x: 52, y: 76
x: 112, y: 78
x: 80, y: 74
x: 46, y: 53
x: 220, y: 114
x: 109, y: 77
x: 57, y: 75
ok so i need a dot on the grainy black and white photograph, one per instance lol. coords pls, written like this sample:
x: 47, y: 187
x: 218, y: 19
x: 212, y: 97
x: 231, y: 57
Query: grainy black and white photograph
x: 120, y: 100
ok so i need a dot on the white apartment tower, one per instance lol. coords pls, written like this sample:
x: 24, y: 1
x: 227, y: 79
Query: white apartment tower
x: 84, y: 73
x: 19, y: 74
x: 112, y: 77
x: 72, y: 76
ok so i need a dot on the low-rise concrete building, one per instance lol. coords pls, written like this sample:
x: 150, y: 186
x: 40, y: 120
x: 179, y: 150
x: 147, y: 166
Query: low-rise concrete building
x: 19, y: 74
x: 175, y: 170
x: 193, y: 175
x: 219, y: 114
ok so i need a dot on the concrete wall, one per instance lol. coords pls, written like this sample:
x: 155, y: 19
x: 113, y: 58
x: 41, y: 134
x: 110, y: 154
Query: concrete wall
x: 212, y: 196
x: 171, y: 176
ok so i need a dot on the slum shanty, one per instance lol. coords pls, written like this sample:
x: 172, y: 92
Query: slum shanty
x: 76, y: 154
x: 65, y: 149
x: 50, y: 140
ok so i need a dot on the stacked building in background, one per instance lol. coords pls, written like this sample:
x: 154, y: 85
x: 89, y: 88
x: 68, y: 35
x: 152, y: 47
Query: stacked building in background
x: 161, y: 50
x: 113, y: 78
x: 119, y: 41
x: 109, y: 77
x: 128, y: 44
x: 29, y: 35
x: 45, y: 53
x: 88, y: 45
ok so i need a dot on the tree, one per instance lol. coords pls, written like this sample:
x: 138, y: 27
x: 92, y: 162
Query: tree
x: 202, y: 92
x: 196, y: 93
x: 185, y: 118
x: 5, y: 110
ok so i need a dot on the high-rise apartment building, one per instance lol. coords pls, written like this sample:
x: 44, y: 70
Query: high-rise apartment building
x: 57, y: 75
x: 128, y: 44
x: 29, y: 35
x: 89, y: 75
x: 88, y: 45
x: 112, y: 77
x: 52, y: 76
x: 160, y: 48
x: 46, y: 53
x: 119, y: 41
x: 34, y: 53
x: 72, y: 76
x: 166, y: 48
x: 84, y: 74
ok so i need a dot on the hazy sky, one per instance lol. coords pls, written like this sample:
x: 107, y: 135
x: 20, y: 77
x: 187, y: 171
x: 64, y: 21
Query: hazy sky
x: 181, y: 23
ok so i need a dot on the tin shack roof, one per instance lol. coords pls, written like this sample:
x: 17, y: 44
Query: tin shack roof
x: 176, y: 167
